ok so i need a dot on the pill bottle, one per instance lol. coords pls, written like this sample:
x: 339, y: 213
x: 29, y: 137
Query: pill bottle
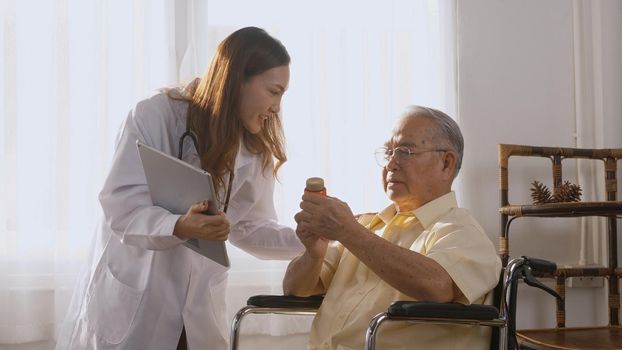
x: 315, y: 185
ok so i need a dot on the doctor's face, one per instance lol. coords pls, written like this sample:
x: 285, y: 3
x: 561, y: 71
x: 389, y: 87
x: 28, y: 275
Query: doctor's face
x: 261, y: 97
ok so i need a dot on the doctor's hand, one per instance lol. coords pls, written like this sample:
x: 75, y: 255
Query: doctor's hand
x: 195, y: 224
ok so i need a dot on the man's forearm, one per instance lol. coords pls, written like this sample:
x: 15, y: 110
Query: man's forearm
x: 303, y: 276
x: 409, y: 272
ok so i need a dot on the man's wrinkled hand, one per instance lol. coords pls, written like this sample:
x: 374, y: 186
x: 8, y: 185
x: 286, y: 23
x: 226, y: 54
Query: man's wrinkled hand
x: 325, y: 216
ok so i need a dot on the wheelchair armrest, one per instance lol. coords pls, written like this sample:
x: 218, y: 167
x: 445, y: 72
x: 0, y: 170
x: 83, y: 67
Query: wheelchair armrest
x: 443, y: 310
x: 286, y: 301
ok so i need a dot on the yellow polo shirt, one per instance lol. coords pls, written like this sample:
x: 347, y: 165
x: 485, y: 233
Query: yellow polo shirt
x: 439, y: 230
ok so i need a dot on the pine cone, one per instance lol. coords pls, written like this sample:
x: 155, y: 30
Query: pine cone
x: 567, y: 192
x: 540, y: 194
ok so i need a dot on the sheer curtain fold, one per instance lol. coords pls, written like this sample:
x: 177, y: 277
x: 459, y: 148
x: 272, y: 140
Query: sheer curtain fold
x: 590, y: 122
x: 72, y: 69
x: 185, y: 36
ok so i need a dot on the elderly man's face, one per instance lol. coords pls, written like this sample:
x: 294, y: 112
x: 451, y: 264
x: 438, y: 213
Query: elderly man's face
x: 411, y: 180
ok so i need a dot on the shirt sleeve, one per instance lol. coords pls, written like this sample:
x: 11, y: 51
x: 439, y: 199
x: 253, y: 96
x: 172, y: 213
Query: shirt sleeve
x: 334, y: 253
x: 255, y: 228
x: 331, y: 263
x: 468, y: 256
x: 125, y: 199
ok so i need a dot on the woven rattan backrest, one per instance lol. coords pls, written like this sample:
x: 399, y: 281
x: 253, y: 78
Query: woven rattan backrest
x: 610, y: 209
x: 557, y: 154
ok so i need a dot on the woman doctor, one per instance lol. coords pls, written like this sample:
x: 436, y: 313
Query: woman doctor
x: 144, y: 286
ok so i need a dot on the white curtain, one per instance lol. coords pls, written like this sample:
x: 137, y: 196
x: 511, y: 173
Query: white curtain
x: 71, y: 70
x: 591, y: 109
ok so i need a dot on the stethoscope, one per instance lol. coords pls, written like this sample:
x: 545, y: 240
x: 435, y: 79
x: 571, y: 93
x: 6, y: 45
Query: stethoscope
x: 180, y: 153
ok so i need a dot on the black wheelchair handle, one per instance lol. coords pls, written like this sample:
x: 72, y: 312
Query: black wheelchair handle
x: 532, y: 281
x: 540, y: 265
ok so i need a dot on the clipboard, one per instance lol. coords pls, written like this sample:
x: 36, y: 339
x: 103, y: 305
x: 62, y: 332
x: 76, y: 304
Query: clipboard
x: 175, y: 185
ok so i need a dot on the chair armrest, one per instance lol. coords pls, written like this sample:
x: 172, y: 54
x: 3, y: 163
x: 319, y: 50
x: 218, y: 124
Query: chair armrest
x: 443, y: 310
x: 286, y: 301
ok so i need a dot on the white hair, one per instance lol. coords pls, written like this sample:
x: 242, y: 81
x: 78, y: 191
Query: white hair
x: 446, y: 126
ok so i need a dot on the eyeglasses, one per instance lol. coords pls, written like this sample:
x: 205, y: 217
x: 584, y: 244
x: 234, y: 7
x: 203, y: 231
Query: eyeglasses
x: 401, y: 154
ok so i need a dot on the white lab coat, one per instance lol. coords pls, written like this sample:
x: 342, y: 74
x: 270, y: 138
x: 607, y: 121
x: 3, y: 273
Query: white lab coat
x: 141, y: 281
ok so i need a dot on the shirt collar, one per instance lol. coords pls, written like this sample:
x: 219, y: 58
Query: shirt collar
x: 427, y: 214
x: 244, y: 157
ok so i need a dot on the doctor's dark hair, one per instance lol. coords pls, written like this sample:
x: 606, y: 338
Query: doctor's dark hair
x: 214, y: 110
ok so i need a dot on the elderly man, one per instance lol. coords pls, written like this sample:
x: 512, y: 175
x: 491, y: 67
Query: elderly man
x: 422, y: 247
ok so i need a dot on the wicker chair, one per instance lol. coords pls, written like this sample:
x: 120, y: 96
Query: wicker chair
x: 562, y: 337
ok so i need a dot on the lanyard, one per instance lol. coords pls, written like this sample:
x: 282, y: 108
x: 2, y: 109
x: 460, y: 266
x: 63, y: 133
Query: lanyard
x: 180, y: 153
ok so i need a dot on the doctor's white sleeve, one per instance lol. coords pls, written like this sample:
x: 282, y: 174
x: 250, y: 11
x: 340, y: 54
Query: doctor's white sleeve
x: 255, y: 228
x: 125, y: 198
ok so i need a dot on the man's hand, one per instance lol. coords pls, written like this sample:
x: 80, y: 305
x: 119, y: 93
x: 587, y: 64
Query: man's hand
x: 325, y: 217
x: 195, y: 224
x: 315, y: 245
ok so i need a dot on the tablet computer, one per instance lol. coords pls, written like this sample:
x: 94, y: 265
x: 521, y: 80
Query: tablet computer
x: 175, y: 185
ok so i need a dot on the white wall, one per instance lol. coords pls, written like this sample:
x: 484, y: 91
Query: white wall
x: 517, y: 84
x: 612, y: 79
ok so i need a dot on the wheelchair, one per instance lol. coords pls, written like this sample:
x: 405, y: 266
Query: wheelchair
x: 501, y: 316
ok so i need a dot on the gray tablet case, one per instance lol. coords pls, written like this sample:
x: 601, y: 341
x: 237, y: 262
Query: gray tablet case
x: 176, y: 185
